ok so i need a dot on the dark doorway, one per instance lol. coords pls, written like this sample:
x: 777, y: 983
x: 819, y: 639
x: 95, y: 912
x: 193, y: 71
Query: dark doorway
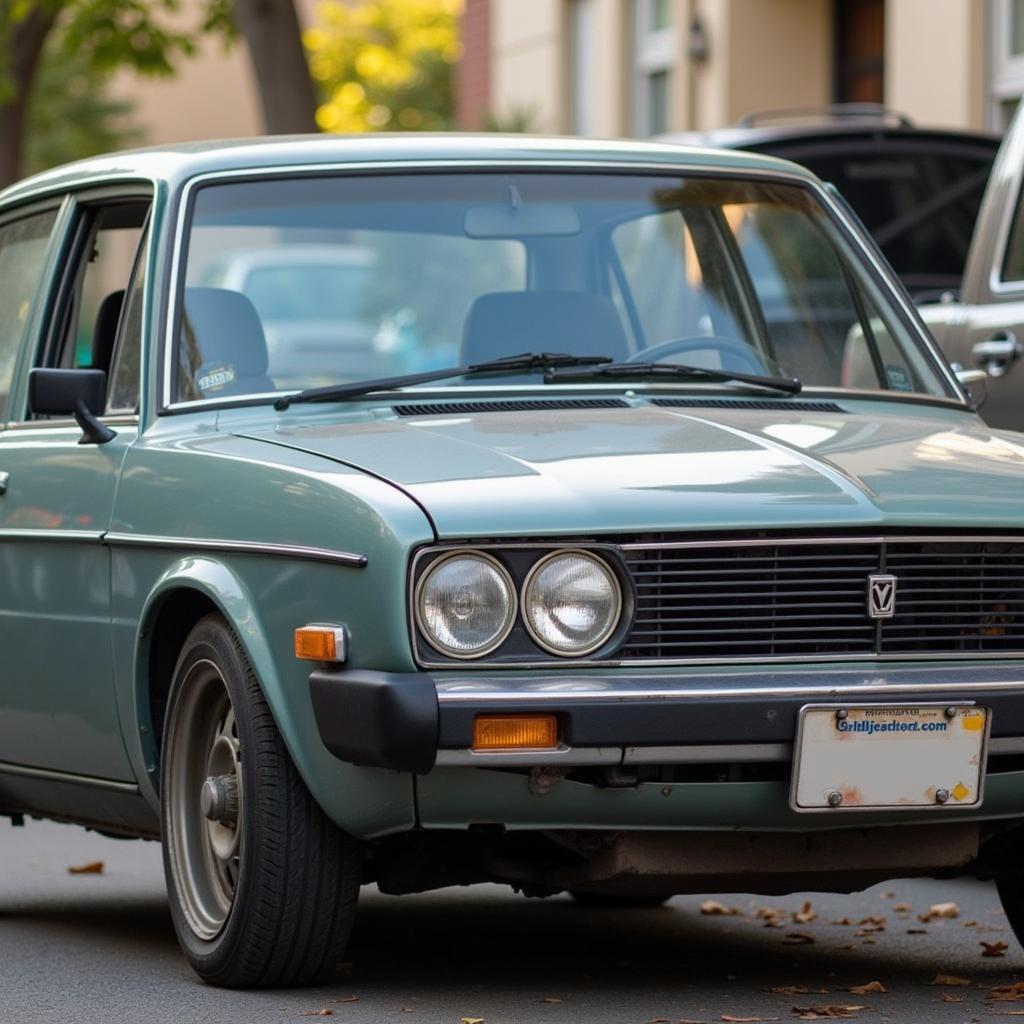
x: 859, y: 51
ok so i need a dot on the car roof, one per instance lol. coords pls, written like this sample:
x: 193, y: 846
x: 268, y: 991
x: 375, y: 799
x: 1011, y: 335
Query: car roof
x: 174, y: 164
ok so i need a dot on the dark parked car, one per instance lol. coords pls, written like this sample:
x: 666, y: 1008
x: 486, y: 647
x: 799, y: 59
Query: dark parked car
x: 918, y: 191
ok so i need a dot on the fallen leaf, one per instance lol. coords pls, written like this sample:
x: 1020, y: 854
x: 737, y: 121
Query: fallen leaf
x: 1007, y: 993
x: 939, y: 910
x: 790, y: 990
x: 318, y: 1013
x: 471, y: 1020
x: 917, y: 931
x: 659, y: 1020
x: 843, y: 920
x: 902, y: 908
x: 888, y: 895
x: 798, y: 938
x: 730, y: 1019
x: 805, y: 915
x: 950, y: 980
x: 993, y: 948
x: 94, y: 867
x: 715, y: 909
x: 826, y: 1012
x: 970, y: 924
x: 870, y: 987
x: 948, y: 997
x: 874, y: 921
x: 348, y: 999
x: 551, y: 999
x: 772, y: 916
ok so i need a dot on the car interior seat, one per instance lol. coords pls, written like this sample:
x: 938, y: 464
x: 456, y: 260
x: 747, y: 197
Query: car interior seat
x: 223, y: 347
x: 577, y: 323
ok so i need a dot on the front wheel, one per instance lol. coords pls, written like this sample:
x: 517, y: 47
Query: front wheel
x: 263, y: 887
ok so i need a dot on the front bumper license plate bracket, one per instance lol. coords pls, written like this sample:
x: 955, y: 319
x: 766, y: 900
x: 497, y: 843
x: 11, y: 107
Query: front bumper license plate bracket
x: 870, y: 757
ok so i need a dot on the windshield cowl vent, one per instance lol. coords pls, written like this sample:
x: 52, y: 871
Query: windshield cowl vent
x: 754, y: 404
x: 539, y: 405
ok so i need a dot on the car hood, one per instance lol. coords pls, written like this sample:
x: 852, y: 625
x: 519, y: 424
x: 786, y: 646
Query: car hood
x: 648, y: 468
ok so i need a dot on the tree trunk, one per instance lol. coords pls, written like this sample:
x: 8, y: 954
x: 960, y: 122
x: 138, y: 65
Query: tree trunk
x: 25, y: 40
x: 271, y: 32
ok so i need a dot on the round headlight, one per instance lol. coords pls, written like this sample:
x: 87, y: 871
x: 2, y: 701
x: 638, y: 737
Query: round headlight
x: 465, y: 605
x: 571, y: 603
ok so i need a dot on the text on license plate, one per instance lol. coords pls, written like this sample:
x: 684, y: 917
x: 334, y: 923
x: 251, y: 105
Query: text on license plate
x: 889, y: 756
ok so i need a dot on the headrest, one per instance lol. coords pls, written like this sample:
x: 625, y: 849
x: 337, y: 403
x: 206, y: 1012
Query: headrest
x: 104, y: 334
x: 506, y: 323
x: 227, y: 332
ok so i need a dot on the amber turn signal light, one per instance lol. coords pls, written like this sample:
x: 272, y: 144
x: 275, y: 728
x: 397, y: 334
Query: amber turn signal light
x: 515, y: 732
x: 320, y: 643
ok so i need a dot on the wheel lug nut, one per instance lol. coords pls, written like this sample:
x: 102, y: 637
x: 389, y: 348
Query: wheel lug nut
x: 218, y: 799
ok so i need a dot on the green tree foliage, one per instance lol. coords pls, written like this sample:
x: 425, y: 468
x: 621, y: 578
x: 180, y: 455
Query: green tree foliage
x: 71, y: 115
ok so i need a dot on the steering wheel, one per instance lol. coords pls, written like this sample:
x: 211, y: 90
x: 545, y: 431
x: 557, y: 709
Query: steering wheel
x: 748, y: 358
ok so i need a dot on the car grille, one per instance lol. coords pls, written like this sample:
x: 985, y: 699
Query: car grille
x: 768, y: 598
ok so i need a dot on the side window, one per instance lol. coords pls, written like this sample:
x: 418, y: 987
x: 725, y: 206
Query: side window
x: 123, y: 392
x: 1013, y: 259
x: 22, y: 249
x: 93, y: 311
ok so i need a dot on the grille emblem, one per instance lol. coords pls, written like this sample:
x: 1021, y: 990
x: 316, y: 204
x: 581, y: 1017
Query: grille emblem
x: 881, y: 596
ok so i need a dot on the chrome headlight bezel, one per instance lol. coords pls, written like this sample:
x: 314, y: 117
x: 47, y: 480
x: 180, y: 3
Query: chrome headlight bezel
x: 510, y: 618
x: 616, y: 594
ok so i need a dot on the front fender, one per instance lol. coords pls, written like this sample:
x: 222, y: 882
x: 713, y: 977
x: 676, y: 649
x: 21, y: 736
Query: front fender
x: 365, y: 802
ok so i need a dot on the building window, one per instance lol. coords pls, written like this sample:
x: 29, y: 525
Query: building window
x: 582, y: 67
x: 654, y: 51
x: 1007, y: 59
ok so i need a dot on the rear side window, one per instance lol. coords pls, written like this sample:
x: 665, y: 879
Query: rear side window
x: 920, y: 207
x: 22, y: 250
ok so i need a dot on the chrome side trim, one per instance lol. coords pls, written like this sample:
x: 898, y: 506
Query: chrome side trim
x: 528, y: 758
x: 709, y: 753
x: 241, y: 547
x: 581, y: 694
x: 50, y: 775
x: 69, y: 424
x: 66, y: 536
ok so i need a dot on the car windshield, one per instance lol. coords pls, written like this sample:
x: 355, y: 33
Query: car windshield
x: 308, y: 282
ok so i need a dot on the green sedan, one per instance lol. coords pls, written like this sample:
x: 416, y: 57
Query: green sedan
x: 422, y: 511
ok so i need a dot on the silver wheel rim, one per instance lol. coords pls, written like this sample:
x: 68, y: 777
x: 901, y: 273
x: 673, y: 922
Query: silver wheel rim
x: 204, y: 800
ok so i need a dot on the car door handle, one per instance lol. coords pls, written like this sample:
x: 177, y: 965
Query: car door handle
x: 996, y: 354
x: 4, y: 481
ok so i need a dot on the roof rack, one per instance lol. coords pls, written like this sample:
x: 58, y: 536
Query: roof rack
x: 833, y: 111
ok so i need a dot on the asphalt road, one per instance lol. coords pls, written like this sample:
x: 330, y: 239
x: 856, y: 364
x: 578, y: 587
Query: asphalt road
x: 76, y: 949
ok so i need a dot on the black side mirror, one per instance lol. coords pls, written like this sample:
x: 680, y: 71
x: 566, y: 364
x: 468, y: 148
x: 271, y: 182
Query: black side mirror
x: 78, y: 393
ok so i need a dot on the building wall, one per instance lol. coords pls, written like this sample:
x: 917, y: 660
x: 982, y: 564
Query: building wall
x: 762, y: 54
x: 473, y: 75
x: 936, y: 61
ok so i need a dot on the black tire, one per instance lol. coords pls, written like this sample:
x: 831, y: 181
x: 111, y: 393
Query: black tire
x: 270, y: 903
x: 1011, y: 894
x: 617, y: 900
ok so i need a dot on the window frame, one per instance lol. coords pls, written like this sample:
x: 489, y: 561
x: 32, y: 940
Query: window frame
x: 653, y: 52
x: 41, y: 301
x: 838, y: 212
x: 1006, y: 80
x: 77, y: 221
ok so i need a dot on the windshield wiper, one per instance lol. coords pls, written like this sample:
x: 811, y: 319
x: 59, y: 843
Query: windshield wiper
x: 523, y: 361
x: 672, y: 371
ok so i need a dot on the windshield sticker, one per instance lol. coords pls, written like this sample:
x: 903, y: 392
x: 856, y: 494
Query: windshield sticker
x: 898, y: 378
x: 214, y: 378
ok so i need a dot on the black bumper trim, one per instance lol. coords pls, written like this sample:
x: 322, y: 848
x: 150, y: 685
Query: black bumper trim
x: 394, y: 720
x: 377, y: 719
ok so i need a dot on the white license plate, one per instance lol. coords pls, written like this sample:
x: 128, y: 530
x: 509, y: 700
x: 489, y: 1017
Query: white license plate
x: 889, y: 756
